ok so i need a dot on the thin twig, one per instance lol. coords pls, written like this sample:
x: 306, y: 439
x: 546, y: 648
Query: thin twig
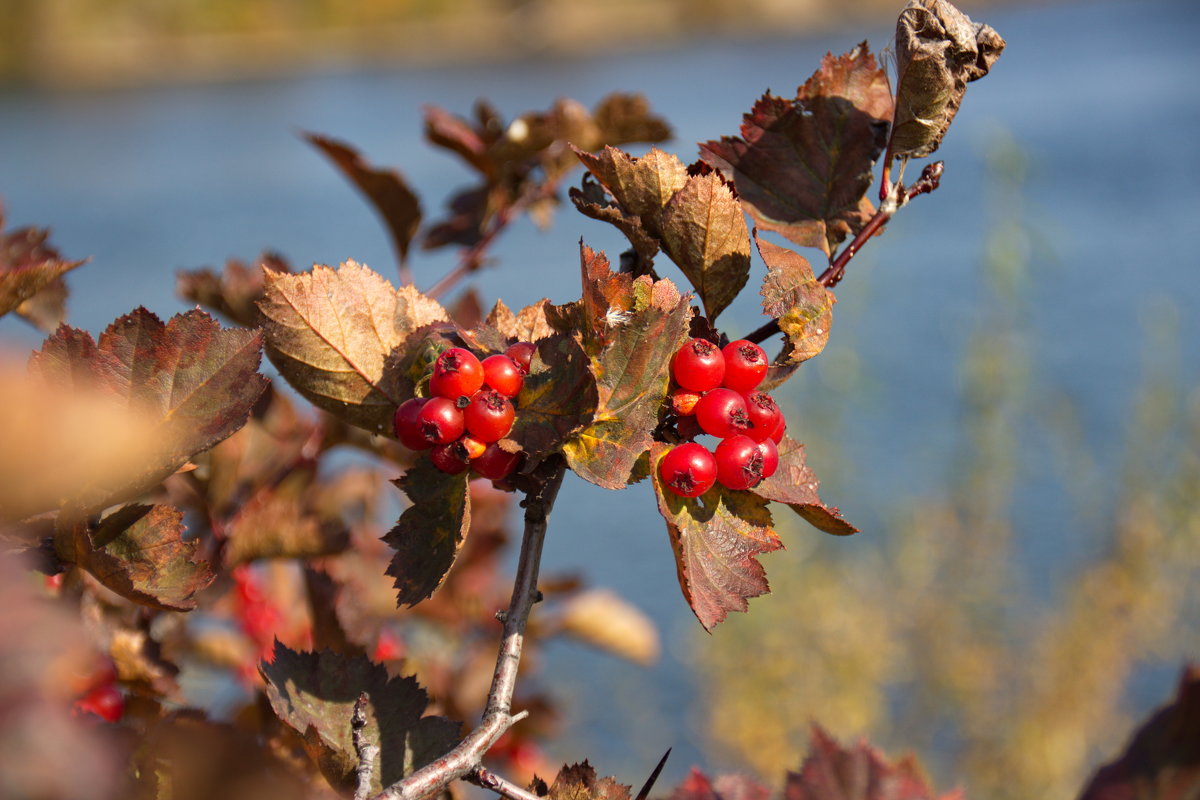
x: 498, y: 716
x: 367, y: 751
x: 486, y: 779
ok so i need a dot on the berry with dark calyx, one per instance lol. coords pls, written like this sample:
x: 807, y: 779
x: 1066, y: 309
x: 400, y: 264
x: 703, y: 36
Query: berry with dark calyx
x: 407, y: 425
x: 489, y: 416
x: 440, y: 421
x: 450, y: 458
x: 770, y: 457
x: 745, y: 365
x: 698, y: 366
x: 105, y: 701
x: 684, y: 402
x: 502, y: 374
x: 764, y: 415
x: 739, y: 463
x: 456, y: 372
x: 689, y: 470
x: 522, y: 354
x: 722, y: 413
x: 495, y: 463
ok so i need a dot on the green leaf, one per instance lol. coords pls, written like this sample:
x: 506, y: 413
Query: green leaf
x: 139, y: 553
x: 792, y: 295
x: 579, y: 782
x: 802, y: 167
x: 430, y: 532
x: 833, y: 772
x: 716, y: 538
x: 704, y: 232
x: 385, y: 189
x: 795, y: 484
x: 559, y: 398
x: 315, y: 693
x: 334, y: 335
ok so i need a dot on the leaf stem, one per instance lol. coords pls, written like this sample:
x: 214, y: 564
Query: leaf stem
x: 486, y: 779
x: 497, y: 718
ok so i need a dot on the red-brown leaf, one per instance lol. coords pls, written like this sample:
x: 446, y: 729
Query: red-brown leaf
x: 833, y: 772
x: 430, y: 532
x: 31, y: 273
x: 792, y: 295
x: 795, y: 483
x: 579, y: 782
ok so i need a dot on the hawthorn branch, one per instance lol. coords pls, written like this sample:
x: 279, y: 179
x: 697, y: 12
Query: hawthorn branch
x: 486, y: 779
x: 497, y: 717
x: 366, y: 751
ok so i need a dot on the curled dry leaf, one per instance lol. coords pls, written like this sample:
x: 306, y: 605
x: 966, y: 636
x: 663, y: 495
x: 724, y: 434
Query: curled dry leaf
x: 527, y: 325
x: 938, y: 52
x: 716, y: 538
x: 642, y: 187
x: 335, y: 336
x: 430, y: 532
x: 795, y: 484
x: 608, y: 621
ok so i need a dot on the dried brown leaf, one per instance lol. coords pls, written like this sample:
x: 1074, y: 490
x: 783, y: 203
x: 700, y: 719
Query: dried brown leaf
x: 608, y: 621
x: 579, y: 782
x: 234, y: 294
x: 430, y: 532
x: 642, y: 187
x: 277, y: 524
x: 528, y: 325
x: 625, y: 118
x: 792, y: 295
x: 795, y: 483
x: 29, y: 267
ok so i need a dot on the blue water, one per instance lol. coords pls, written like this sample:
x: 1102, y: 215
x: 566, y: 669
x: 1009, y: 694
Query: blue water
x: 1102, y: 97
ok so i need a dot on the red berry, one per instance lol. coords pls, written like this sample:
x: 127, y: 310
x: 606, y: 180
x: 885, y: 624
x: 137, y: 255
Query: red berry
x: 722, y: 413
x: 456, y: 372
x: 472, y: 447
x: 745, y: 365
x: 770, y: 457
x: 764, y: 415
x: 739, y: 463
x: 450, y: 458
x: 689, y: 470
x: 495, y: 463
x: 440, y: 421
x: 407, y: 425
x: 502, y: 374
x: 684, y: 402
x: 699, y: 366
x: 522, y: 354
x: 780, y: 429
x: 105, y: 701
x: 489, y: 416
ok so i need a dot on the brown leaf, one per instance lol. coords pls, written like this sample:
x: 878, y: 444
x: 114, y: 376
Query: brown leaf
x: 697, y: 786
x: 457, y: 135
x: 127, y: 412
x: 642, y: 186
x: 430, y: 532
x: 716, y: 538
x: 276, y: 524
x: 608, y: 621
x: 1162, y: 759
x: 234, y: 294
x: 792, y: 295
x: 139, y: 553
x: 795, y: 483
x: 626, y: 118
x: 579, y: 782
x: 315, y: 693
x: 386, y: 190
x: 704, y: 232
x: 592, y: 201
x: 528, y: 325
x: 559, y: 398
x: 802, y: 167
x: 333, y: 334
x: 29, y: 267
x: 833, y: 772
x: 938, y: 51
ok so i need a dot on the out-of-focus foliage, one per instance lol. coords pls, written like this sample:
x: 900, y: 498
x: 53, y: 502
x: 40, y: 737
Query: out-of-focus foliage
x: 937, y: 640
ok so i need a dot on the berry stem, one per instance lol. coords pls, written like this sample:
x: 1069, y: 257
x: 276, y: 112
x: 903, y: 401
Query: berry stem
x: 467, y: 756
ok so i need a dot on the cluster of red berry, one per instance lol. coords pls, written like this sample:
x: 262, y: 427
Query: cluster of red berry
x: 99, y: 695
x: 469, y: 409
x: 717, y: 395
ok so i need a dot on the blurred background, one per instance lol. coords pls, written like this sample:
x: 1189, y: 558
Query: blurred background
x: 1008, y: 407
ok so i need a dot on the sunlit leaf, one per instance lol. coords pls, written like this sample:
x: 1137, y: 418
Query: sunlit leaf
x: 430, y: 532
x: 641, y: 186
x: 833, y: 772
x: 716, y: 538
x: 315, y: 693
x: 558, y: 399
x: 802, y: 167
x: 332, y: 334
x: 938, y: 51
x: 795, y: 483
x: 592, y: 201
x: 703, y: 230
x: 792, y: 295
x: 579, y: 782
x: 139, y: 553
x: 527, y: 325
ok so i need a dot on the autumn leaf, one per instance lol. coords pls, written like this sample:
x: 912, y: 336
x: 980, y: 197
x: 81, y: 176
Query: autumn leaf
x: 716, y: 538
x: 386, y: 190
x: 698, y: 786
x: 1162, y: 759
x: 625, y: 118
x: 792, y: 295
x: 276, y: 524
x: 704, y: 232
x: 430, y: 532
x: 802, y: 167
x: 333, y: 334
x: 139, y: 553
x: 591, y: 200
x: 98, y: 423
x: 938, y: 52
x: 558, y: 399
x: 833, y: 772
x: 235, y: 292
x: 31, y: 273
x: 527, y: 325
x: 315, y: 693
x: 641, y: 186
x: 579, y: 782
x: 795, y: 484
x: 607, y: 621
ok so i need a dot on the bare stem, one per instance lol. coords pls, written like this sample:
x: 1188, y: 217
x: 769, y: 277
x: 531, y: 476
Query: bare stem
x: 485, y: 778
x: 498, y: 717
x: 367, y: 751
